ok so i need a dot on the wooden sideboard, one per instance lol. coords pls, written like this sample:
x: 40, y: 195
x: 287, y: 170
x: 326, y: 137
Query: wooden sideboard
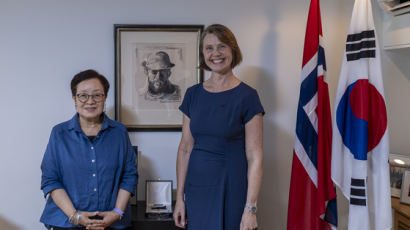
x: 401, y: 214
x: 141, y: 222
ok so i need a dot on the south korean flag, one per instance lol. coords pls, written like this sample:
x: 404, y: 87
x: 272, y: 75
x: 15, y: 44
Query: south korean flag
x: 360, y: 145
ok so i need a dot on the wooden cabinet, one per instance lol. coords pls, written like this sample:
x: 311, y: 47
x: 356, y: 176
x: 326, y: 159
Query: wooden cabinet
x: 401, y: 214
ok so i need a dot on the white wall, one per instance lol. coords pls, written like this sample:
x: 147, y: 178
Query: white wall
x: 396, y: 72
x: 43, y: 43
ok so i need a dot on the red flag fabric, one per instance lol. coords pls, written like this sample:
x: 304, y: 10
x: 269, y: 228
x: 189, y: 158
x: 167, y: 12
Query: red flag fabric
x: 312, y: 197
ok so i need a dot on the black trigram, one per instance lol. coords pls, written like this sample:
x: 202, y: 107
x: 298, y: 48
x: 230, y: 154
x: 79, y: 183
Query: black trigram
x: 361, y: 45
x: 358, y: 192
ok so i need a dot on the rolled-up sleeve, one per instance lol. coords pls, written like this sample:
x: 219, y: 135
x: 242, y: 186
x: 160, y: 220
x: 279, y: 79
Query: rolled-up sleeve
x: 50, y: 177
x: 130, y: 175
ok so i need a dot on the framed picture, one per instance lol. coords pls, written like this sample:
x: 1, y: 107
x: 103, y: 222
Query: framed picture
x: 154, y: 66
x: 158, y: 198
x: 398, y: 165
x: 405, y: 188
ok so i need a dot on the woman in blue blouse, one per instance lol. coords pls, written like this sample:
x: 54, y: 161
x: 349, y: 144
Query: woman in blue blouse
x: 219, y: 164
x: 88, y: 169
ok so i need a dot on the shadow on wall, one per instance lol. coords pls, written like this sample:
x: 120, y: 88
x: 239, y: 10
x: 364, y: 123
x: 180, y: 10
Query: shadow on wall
x: 277, y: 156
x: 5, y: 224
x: 401, y: 59
x: 277, y: 168
x: 145, y: 169
x: 110, y: 112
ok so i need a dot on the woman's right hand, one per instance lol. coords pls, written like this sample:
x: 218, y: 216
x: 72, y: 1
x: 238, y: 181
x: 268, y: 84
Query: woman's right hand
x: 179, y: 214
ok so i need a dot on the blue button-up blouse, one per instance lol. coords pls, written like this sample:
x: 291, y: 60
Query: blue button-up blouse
x: 90, y: 172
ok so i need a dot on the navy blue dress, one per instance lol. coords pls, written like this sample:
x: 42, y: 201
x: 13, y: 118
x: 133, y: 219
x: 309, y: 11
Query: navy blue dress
x: 216, y: 180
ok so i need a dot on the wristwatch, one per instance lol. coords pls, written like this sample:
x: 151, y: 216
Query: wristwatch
x: 251, y: 208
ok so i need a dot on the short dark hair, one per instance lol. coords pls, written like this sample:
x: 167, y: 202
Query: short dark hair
x: 86, y: 75
x: 225, y: 35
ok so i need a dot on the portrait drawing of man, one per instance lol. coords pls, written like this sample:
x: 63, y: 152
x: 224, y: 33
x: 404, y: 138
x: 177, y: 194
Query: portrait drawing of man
x: 157, y: 67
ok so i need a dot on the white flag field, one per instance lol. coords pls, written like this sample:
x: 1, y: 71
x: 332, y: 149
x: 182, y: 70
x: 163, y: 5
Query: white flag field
x: 360, y: 146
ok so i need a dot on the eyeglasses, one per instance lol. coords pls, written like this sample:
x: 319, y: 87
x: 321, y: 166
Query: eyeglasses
x: 83, y: 97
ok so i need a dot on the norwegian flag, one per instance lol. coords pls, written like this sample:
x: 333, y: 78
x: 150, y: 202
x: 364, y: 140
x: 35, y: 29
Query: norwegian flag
x: 312, y: 196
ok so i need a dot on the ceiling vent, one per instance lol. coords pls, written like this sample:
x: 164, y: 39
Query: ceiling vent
x: 395, y: 7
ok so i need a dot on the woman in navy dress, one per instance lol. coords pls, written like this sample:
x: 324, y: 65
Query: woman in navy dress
x: 219, y: 164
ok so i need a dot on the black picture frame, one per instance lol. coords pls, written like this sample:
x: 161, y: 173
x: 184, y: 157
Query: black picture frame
x: 143, y: 49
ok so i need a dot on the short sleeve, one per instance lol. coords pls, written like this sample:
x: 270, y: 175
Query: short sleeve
x: 252, y: 106
x: 186, y: 103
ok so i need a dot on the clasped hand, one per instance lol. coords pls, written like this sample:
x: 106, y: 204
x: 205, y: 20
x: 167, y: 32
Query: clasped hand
x: 89, y: 221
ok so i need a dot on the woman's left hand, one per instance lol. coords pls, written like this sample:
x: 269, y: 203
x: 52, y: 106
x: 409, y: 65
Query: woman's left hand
x: 248, y: 221
x: 109, y: 217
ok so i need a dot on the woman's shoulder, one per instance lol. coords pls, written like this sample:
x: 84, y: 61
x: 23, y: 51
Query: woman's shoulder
x: 194, y: 87
x: 115, y: 124
x: 65, y: 125
x: 118, y: 125
x: 246, y: 89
